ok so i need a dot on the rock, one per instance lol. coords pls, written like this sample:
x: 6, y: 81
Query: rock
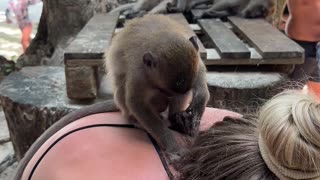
x: 4, y: 133
x: 32, y: 100
x: 8, y: 173
x: 6, y: 67
x: 6, y: 150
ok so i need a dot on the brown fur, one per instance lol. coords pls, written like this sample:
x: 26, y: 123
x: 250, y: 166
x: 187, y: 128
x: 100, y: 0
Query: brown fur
x: 172, y: 68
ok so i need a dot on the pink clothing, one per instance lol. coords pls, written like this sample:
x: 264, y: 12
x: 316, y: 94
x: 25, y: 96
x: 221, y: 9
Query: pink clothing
x: 105, y: 152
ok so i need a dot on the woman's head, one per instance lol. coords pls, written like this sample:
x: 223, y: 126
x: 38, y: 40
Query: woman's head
x: 289, y: 127
x: 284, y: 140
x: 229, y: 150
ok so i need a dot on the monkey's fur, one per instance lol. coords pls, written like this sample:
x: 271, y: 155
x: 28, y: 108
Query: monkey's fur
x: 243, y: 8
x: 154, y: 64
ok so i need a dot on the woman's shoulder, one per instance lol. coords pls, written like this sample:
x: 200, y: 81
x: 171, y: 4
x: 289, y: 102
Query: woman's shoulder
x: 104, y: 145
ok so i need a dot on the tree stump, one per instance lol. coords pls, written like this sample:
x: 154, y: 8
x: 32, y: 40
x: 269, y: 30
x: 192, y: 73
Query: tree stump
x: 33, y: 99
x: 243, y: 92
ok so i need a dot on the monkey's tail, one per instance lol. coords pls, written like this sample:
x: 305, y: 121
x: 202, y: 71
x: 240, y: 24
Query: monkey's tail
x: 122, y: 8
x: 102, y: 107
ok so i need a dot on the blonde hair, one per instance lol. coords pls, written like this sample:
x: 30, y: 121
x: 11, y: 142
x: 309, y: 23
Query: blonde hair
x: 283, y: 142
x: 289, y: 127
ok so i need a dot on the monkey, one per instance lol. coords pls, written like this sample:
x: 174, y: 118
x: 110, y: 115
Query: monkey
x: 242, y: 8
x: 142, y: 7
x: 153, y: 63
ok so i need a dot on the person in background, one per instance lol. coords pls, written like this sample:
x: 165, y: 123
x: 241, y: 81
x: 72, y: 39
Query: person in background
x: 303, y: 26
x: 19, y: 10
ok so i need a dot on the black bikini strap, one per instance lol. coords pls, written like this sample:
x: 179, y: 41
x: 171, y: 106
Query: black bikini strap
x: 160, y: 153
x: 161, y: 156
x: 68, y: 133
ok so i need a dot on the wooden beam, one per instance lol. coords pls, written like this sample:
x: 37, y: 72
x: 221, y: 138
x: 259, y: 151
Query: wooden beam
x: 226, y: 42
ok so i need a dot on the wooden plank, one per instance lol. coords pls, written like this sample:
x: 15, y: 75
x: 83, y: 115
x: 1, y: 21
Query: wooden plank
x: 213, y: 58
x: 268, y: 41
x: 196, y: 28
x: 181, y: 19
x: 94, y: 38
x: 84, y: 62
x: 81, y: 83
x: 226, y: 42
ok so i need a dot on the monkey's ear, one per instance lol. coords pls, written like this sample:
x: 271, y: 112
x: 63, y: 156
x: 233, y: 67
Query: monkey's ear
x: 194, y: 41
x: 149, y: 60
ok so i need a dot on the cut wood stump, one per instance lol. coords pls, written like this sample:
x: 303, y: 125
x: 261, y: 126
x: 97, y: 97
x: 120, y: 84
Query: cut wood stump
x: 243, y: 92
x: 33, y: 99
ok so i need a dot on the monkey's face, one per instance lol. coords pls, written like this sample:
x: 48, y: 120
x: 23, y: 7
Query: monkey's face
x: 183, y: 83
x: 172, y: 65
x: 175, y: 77
x: 180, y: 80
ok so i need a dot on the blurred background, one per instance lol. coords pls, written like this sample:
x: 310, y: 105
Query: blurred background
x: 10, y: 34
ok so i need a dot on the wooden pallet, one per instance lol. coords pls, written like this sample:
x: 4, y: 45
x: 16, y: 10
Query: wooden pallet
x: 84, y: 56
x: 235, y: 42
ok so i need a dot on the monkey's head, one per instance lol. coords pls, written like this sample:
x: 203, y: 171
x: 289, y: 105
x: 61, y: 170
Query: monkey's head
x: 172, y: 64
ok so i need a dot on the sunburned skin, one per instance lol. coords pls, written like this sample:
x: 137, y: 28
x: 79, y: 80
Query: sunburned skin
x: 304, y: 20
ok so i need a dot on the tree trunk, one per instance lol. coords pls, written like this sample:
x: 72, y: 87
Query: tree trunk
x: 60, y: 22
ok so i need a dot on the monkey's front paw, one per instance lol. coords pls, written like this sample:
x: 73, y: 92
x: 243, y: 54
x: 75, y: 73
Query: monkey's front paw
x: 186, y: 122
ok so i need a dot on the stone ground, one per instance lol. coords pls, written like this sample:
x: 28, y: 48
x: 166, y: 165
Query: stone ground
x: 7, y: 160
